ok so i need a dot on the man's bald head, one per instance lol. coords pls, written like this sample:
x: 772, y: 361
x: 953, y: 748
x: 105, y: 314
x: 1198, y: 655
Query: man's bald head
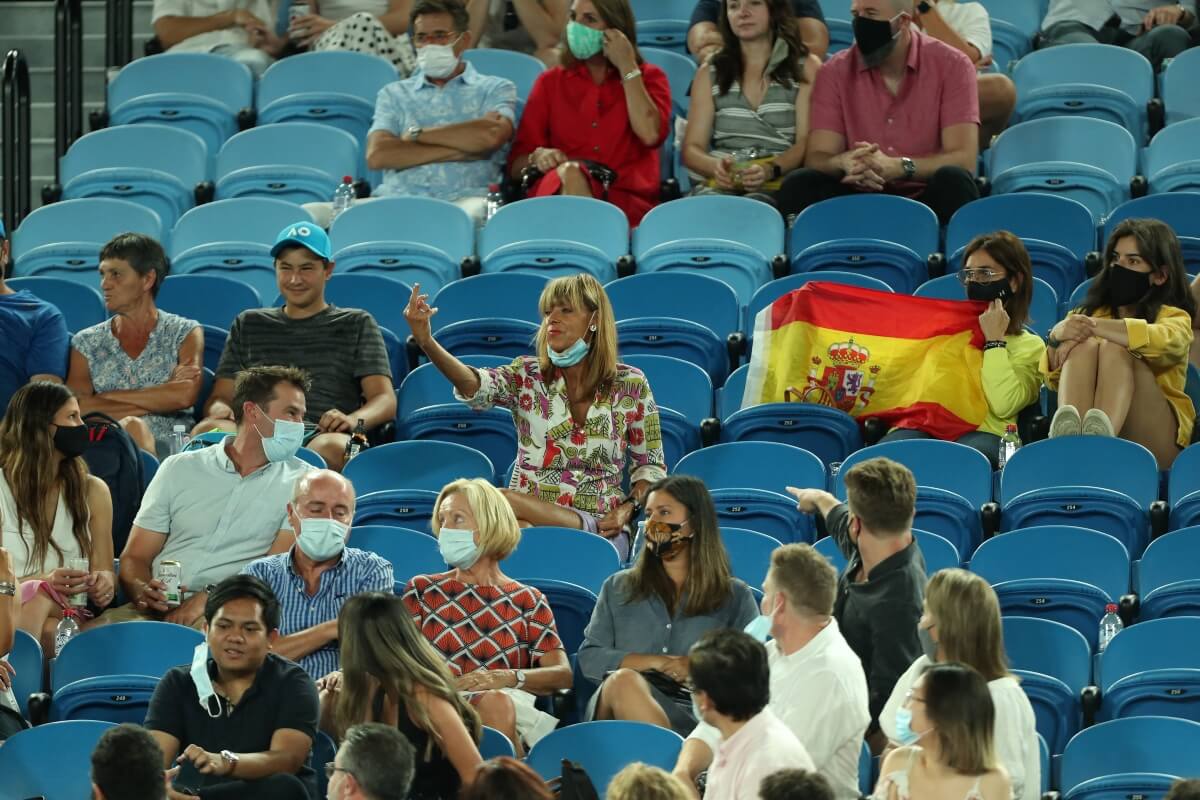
x: 323, y: 493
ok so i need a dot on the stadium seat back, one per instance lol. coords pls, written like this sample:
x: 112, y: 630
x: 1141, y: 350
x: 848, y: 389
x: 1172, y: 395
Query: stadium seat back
x: 1171, y: 162
x: 1152, y: 668
x: 81, y: 305
x: 467, y: 321
x: 520, y: 68
x: 829, y: 433
x: 410, y: 552
x: 572, y: 606
x: 663, y: 23
x: 301, y: 162
x: 63, y: 239
x: 749, y: 555
x: 1180, y: 93
x: 208, y: 299
x: 603, y: 748
x: 426, y: 466
x: 701, y: 298
x: 493, y: 743
x: 425, y: 386
x: 1139, y: 756
x: 1054, y: 663
x: 938, y: 551
x: 51, y: 761
x: 1165, y: 578
x: 567, y: 554
x: 397, y: 508
x: 1179, y: 209
x: 683, y: 393
x: 589, y: 236
x: 1014, y: 25
x: 26, y: 659
x: 680, y: 69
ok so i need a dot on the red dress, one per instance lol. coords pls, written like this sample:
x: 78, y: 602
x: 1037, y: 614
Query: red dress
x: 567, y: 111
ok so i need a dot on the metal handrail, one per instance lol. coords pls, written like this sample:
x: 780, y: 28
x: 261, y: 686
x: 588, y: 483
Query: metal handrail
x: 68, y: 76
x: 15, y: 159
x: 118, y: 32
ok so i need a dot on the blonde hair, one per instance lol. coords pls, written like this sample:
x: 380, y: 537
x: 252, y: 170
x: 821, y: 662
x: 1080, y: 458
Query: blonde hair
x: 805, y: 577
x: 640, y: 781
x: 966, y: 613
x: 495, y: 522
x: 582, y: 291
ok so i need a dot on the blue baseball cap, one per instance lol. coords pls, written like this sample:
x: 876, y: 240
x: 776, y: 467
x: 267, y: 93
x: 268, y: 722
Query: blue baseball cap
x: 304, y: 234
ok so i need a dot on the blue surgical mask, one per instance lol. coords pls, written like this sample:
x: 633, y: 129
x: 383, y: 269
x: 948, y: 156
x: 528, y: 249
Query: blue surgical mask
x: 283, y: 444
x: 759, y: 627
x: 321, y: 538
x: 200, y: 677
x: 928, y: 645
x: 569, y: 357
x: 904, y: 735
x: 584, y: 42
x: 458, y: 547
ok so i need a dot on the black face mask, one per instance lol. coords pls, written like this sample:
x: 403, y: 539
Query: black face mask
x: 874, y: 38
x: 72, y: 441
x: 1126, y: 287
x: 996, y: 290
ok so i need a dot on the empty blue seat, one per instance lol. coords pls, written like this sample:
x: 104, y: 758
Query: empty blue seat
x: 1183, y: 489
x: 493, y: 743
x: 233, y: 239
x: 1054, y: 664
x: 304, y: 454
x: 1057, y: 572
x: 731, y: 238
x: 1084, y: 159
x: 728, y: 398
x: 663, y: 23
x: 413, y: 239
x: 829, y: 433
x: 885, y: 236
x: 63, y: 239
x: 1092, y: 80
x: 1165, y: 578
x: 939, y: 552
x: 383, y: 297
x: 827, y: 547
x: 51, y: 761
x: 677, y: 314
x: 1058, y: 233
x: 680, y: 71
x: 214, y: 345
x: 81, y: 306
x: 1035, y: 489
x: 425, y: 387
x: 1179, y: 209
x: 1171, y: 161
x: 554, y: 236
x: 780, y: 286
x: 153, y: 165
x: 469, y: 322
x: 683, y: 393
x: 302, y: 162
x: 567, y: 554
x: 26, y: 660
x: 208, y: 299
x: 522, y: 69
x: 1151, y: 669
x: 605, y: 747
x: 200, y: 92
x: 409, y: 551
x: 396, y: 508
x: 1180, y: 93
x: 1043, y: 308
x: 415, y: 465
x: 749, y: 555
x: 841, y: 37
x: 1014, y: 25
x: 1137, y: 757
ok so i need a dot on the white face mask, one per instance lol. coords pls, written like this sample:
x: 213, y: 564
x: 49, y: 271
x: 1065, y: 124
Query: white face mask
x: 200, y: 677
x: 321, y: 538
x: 437, y: 61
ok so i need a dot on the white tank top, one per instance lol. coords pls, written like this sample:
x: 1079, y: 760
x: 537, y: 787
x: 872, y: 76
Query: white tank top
x: 20, y: 544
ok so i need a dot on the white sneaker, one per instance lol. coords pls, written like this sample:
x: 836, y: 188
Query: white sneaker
x: 1066, y: 422
x: 1097, y: 423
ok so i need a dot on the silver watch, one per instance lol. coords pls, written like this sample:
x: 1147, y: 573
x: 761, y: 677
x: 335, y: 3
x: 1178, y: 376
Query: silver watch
x: 909, y: 166
x: 520, y: 676
x: 230, y: 758
x: 412, y: 132
x: 7, y: 589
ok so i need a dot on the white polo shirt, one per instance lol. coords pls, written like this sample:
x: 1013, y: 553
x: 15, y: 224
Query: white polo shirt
x: 820, y: 693
x: 215, y: 521
x: 970, y: 21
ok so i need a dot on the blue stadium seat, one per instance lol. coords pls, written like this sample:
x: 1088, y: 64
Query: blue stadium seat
x: 1075, y: 300
x: 152, y: 165
x: 309, y: 457
x: 749, y: 555
x: 1136, y: 757
x: 680, y: 71
x: 51, y: 761
x: 728, y: 398
x: 1043, y: 310
x: 748, y: 483
x: 1165, y: 578
x: 953, y: 483
x: 727, y: 237
x: 1057, y: 572
x: 1059, y: 233
x: 110, y: 672
x: 555, y: 236
x: 829, y: 433
x: 324, y: 750
x: 1180, y: 93
x: 939, y: 552
x: 397, y: 483
x: 1014, y: 25
x: 397, y: 508
x: 81, y: 306
x: 663, y: 23
x: 605, y: 747
x: 1152, y: 669
x: 425, y: 387
x: 26, y: 659
x: 1054, y: 664
x: 493, y: 743
x: 467, y: 322
x: 1171, y: 162
x: 384, y: 298
x: 208, y: 299
x: 780, y: 286
x: 522, y: 69
x: 567, y: 554
x: 413, y: 239
x: 63, y: 239
x: 200, y: 92
x: 1092, y: 80
x: 827, y: 547
x: 233, y: 238
x: 1180, y: 210
x: 893, y: 246
x: 410, y: 552
x: 301, y: 162
x: 1044, y: 759
x: 207, y: 379
x: 214, y: 345
x: 572, y: 606
x: 1089, y: 160
x: 683, y: 315
x: 683, y: 393
x: 1183, y: 489
x: 1035, y: 489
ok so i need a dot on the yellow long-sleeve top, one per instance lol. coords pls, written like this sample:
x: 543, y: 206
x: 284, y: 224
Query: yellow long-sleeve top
x: 1163, y: 345
x: 1011, y: 379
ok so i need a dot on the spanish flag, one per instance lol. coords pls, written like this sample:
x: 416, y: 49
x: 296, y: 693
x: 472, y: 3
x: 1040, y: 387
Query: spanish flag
x: 913, y: 362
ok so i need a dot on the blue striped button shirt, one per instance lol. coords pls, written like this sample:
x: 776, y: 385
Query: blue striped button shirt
x: 358, y: 571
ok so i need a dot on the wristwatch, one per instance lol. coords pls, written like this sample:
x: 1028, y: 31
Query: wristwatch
x: 776, y: 171
x: 7, y: 589
x: 411, y: 134
x: 230, y: 758
x: 909, y: 166
x: 520, y: 676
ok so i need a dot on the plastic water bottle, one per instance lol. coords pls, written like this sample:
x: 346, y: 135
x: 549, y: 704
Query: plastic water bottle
x: 343, y: 197
x: 67, y: 628
x: 357, y: 442
x: 1009, y: 444
x: 1110, y: 625
x: 493, y: 200
x: 179, y: 439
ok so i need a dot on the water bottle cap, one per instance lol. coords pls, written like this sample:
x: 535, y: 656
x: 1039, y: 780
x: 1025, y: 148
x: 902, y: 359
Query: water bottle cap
x: 493, y: 187
x: 1111, y: 608
x: 1010, y: 428
x: 347, y: 179
x: 179, y: 428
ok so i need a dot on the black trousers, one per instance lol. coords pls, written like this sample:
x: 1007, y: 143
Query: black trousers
x: 946, y: 191
x: 275, y: 787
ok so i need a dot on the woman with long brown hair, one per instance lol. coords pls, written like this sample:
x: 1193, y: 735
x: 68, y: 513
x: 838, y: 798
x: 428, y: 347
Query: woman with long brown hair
x: 648, y: 617
x: 53, y: 510
x: 390, y: 674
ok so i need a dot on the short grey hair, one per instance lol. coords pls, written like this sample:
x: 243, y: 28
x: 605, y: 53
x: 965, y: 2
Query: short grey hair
x: 380, y: 759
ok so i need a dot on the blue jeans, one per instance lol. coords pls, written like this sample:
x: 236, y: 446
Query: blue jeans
x: 986, y: 443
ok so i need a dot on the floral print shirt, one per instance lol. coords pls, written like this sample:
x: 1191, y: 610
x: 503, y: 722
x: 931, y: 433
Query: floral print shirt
x: 559, y: 461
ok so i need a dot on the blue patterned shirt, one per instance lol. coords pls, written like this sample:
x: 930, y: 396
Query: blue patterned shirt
x: 358, y: 571
x: 465, y: 97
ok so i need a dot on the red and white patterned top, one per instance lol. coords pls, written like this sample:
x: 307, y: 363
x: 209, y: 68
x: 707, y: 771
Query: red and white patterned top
x: 509, y: 626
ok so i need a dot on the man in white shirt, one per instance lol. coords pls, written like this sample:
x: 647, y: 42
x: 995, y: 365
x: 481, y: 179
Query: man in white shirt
x: 240, y: 29
x: 818, y: 687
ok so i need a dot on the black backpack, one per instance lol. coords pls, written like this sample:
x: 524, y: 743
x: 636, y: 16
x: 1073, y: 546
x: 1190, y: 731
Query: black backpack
x: 114, y: 459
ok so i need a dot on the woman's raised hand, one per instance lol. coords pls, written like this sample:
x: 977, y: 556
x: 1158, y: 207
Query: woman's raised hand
x: 417, y: 314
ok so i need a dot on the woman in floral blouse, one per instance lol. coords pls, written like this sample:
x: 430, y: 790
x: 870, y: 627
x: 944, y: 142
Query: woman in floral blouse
x: 581, y: 416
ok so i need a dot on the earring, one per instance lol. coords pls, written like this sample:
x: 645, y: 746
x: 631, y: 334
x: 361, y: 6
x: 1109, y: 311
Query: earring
x: 592, y: 329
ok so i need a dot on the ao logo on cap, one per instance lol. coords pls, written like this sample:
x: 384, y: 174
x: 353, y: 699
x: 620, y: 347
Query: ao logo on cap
x: 300, y: 230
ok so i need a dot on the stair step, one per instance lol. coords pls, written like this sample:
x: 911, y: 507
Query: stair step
x: 34, y: 18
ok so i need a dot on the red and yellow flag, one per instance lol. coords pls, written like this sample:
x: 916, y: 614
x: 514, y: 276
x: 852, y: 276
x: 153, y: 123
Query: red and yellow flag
x: 913, y: 362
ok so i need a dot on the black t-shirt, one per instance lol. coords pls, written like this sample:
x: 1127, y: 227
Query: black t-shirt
x: 710, y: 10
x: 282, y: 696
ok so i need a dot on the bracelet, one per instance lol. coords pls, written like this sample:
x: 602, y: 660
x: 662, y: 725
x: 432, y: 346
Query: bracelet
x: 992, y: 345
x: 7, y: 589
x: 634, y: 73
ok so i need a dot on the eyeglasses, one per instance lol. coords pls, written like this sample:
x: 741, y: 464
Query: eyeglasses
x: 331, y: 768
x: 983, y: 275
x: 437, y: 37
